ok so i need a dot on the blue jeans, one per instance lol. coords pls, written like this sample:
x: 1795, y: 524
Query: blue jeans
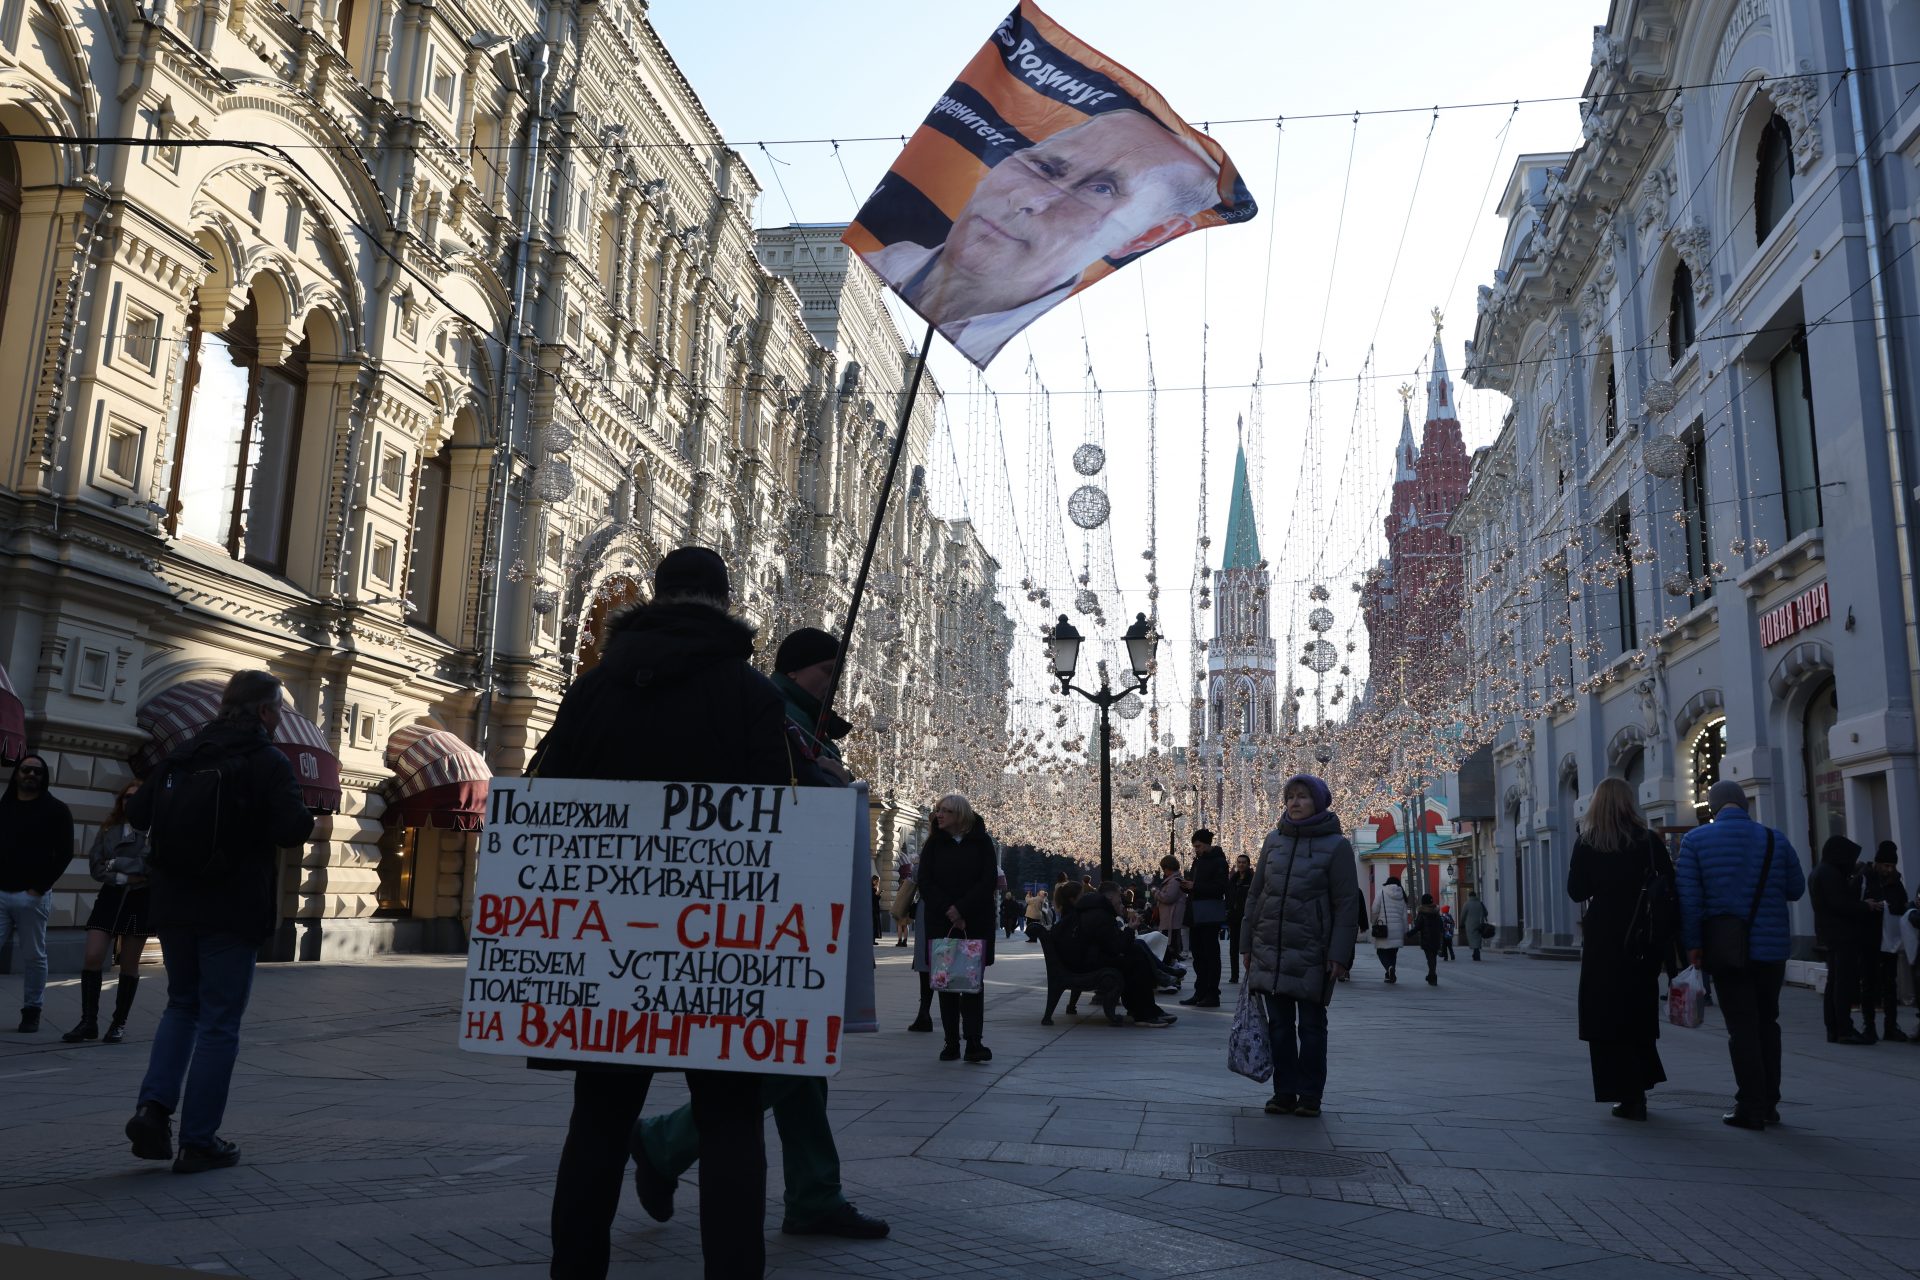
x: 1299, y: 1059
x: 209, y: 977
x: 23, y: 917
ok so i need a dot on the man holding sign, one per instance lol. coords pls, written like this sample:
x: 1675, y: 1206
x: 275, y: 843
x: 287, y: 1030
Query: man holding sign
x: 674, y: 700
x: 665, y: 1146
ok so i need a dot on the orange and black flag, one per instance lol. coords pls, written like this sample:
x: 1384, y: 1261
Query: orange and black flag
x: 1046, y: 166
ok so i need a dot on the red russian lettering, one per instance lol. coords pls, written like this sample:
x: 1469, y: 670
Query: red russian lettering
x: 533, y: 1025
x: 484, y: 1025
x: 757, y: 1039
x: 594, y: 921
x: 739, y: 940
x: 663, y: 1035
x: 686, y: 940
x: 794, y: 926
x: 796, y: 1042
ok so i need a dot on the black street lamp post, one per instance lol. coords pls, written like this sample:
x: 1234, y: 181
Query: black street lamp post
x: 1162, y: 796
x: 1063, y: 644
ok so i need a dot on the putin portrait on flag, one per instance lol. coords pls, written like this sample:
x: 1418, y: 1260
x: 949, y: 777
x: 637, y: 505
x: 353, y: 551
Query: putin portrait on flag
x: 1045, y: 167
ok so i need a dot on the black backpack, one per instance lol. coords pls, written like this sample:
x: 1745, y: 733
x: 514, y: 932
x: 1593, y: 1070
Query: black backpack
x: 1655, y: 922
x: 200, y: 804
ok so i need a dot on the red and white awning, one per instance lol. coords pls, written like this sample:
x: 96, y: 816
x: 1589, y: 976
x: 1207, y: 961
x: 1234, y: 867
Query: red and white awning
x: 13, y: 721
x: 438, y: 780
x: 174, y: 715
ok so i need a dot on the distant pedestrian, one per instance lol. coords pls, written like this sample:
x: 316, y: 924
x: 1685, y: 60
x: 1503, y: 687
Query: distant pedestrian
x: 1473, y: 918
x: 1446, y: 933
x: 1736, y: 868
x: 1302, y: 918
x: 1239, y: 881
x: 1615, y: 862
x: 1427, y: 929
x: 1207, y: 911
x: 1171, y: 895
x: 217, y: 814
x: 1888, y: 896
x: 1389, y: 926
x: 36, y: 844
x: 958, y: 867
x: 1010, y: 909
x: 905, y: 900
x: 1842, y: 918
x: 879, y: 913
x: 1036, y: 913
x: 118, y: 861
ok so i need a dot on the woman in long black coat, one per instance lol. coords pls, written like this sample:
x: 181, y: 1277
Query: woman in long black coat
x: 959, y: 871
x: 1619, y: 989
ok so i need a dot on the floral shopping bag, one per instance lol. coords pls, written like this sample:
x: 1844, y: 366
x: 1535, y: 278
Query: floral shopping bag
x: 1686, y: 998
x: 1249, y: 1051
x: 956, y: 964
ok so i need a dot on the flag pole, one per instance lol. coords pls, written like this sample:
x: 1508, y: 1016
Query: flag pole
x: 873, y: 533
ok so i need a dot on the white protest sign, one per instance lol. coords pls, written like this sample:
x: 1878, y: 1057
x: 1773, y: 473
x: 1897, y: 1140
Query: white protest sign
x: 689, y: 925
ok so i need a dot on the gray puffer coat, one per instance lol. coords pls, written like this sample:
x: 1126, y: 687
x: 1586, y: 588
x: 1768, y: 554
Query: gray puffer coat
x: 1303, y: 909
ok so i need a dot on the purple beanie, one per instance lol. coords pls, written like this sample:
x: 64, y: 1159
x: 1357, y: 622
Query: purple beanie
x: 1322, y: 798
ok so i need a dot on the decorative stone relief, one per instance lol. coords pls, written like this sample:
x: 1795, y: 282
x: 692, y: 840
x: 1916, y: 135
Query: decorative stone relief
x: 1797, y: 98
x: 1694, y: 244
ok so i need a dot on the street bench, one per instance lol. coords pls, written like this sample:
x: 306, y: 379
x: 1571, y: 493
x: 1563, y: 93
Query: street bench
x: 1104, y: 984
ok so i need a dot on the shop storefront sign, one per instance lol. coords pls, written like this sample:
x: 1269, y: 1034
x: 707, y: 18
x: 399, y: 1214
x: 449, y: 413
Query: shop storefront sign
x: 1795, y: 616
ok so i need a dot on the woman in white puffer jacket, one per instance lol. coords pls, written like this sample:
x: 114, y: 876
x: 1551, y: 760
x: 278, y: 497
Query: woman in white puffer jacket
x: 1390, y: 925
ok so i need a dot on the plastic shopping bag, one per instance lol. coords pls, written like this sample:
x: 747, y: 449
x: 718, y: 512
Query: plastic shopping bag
x: 1687, y: 998
x: 957, y: 964
x: 1249, y: 1051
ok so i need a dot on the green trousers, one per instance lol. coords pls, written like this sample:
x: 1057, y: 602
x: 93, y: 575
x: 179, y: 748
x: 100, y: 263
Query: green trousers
x: 807, y: 1154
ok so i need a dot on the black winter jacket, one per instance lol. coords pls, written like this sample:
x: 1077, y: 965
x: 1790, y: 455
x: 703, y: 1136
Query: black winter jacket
x: 1095, y: 939
x: 1841, y: 918
x: 674, y: 700
x: 245, y: 901
x: 36, y: 842
x: 1209, y: 876
x: 962, y: 874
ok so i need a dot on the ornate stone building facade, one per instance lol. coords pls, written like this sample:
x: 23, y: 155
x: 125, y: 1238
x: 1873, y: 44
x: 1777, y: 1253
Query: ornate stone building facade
x: 387, y: 345
x: 1690, y: 550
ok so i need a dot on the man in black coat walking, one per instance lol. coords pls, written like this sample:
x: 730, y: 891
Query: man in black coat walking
x: 211, y: 924
x: 676, y: 699
x: 1206, y: 912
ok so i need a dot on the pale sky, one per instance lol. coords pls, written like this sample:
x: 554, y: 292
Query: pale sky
x: 850, y: 68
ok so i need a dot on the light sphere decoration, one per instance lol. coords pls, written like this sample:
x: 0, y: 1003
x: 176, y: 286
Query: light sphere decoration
x: 1089, y: 459
x: 1320, y: 619
x: 1318, y: 593
x: 1086, y: 601
x: 1129, y: 707
x: 545, y: 600
x: 557, y: 437
x: 1678, y: 584
x: 1665, y: 457
x: 1166, y: 739
x: 517, y: 571
x: 1088, y: 507
x: 1319, y: 656
x: 554, y: 481
x: 1661, y: 395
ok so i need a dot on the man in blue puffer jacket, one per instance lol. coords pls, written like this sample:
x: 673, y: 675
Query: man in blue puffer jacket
x: 1717, y: 872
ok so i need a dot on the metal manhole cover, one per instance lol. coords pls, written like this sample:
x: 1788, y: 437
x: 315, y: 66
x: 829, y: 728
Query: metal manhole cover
x: 1279, y: 1163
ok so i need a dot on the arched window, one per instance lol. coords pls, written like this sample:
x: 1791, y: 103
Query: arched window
x: 1680, y: 313
x: 233, y: 468
x: 1773, y: 178
x: 9, y: 215
x: 429, y: 541
x: 1249, y: 709
x: 1709, y: 749
x: 1609, y: 409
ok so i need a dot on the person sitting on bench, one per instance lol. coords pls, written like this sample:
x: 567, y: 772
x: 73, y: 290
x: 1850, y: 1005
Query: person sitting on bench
x: 1098, y: 942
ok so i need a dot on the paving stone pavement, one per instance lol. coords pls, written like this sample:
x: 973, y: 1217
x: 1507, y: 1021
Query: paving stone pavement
x: 1458, y: 1141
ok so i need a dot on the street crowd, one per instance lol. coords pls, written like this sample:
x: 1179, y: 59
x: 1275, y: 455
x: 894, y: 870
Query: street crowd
x: 189, y: 855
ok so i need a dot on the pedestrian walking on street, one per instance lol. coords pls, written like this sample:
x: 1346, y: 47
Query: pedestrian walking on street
x: 1207, y: 909
x: 675, y: 699
x: 1618, y: 865
x: 1010, y: 910
x: 1446, y: 933
x: 1036, y: 915
x: 1842, y: 922
x: 958, y: 868
x: 1171, y: 896
x: 118, y: 861
x: 1888, y: 896
x: 36, y: 844
x: 1239, y: 881
x: 217, y: 813
x: 1389, y: 927
x: 1427, y: 929
x: 1736, y: 877
x: 1303, y: 915
x: 879, y: 913
x: 665, y: 1146
x: 1473, y: 918
x: 905, y: 899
